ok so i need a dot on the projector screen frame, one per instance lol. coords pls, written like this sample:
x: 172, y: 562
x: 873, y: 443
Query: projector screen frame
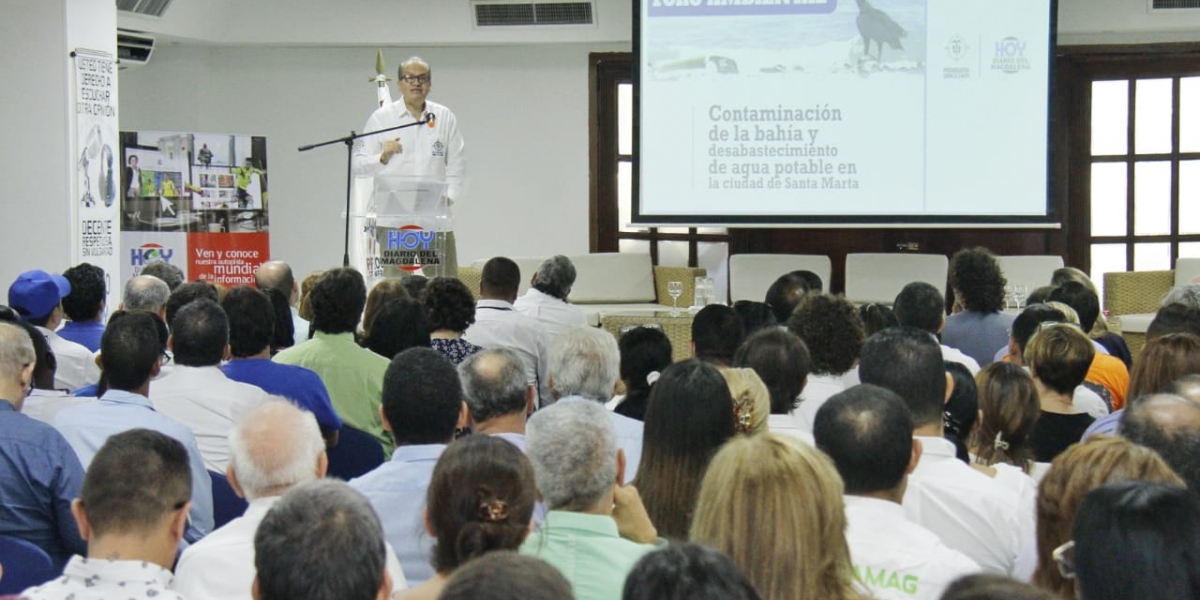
x: 1050, y: 220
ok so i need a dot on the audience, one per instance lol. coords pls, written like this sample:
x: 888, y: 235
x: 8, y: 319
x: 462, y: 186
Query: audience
x: 480, y: 500
x: 1089, y: 397
x: 877, y: 317
x: 1174, y: 318
x: 774, y: 505
x: 497, y: 323
x: 968, y: 510
x: 382, y: 293
x: 689, y: 417
x: 422, y: 408
x: 37, y: 297
x: 196, y: 392
x: 451, y: 311
x: 831, y: 330
x: 1169, y: 425
x: 321, y: 541
x: 782, y: 361
x: 497, y: 397
x: 132, y: 518
x: 1108, y: 371
x: 546, y: 299
x: 1058, y: 356
x: 1008, y: 411
x: 84, y: 306
x: 415, y: 284
x: 596, y: 528
x: 39, y: 472
x: 304, y: 308
x: 645, y: 352
x: 686, y: 571
x: 187, y: 293
x: 1083, y: 467
x: 716, y: 334
x: 400, y: 324
x: 1113, y: 343
x: 283, y: 335
x: 980, y: 327
x: 131, y: 355
x: 868, y: 432
x: 43, y: 402
x: 507, y: 576
x: 352, y: 375
x: 584, y: 363
x: 277, y: 275
x: 921, y: 305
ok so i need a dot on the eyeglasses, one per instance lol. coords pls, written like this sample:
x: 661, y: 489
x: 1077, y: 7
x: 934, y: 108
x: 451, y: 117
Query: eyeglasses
x: 416, y: 79
x: 166, y: 357
x: 1064, y: 556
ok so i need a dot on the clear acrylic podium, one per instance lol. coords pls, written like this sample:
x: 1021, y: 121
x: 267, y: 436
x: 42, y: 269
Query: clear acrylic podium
x: 400, y: 229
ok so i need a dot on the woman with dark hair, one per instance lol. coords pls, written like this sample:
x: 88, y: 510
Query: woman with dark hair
x: 401, y: 324
x: 690, y: 414
x: 785, y: 292
x: 686, y: 571
x: 451, y: 311
x: 782, y: 362
x: 380, y: 295
x: 754, y: 315
x: 645, y: 352
x: 1136, y: 539
x: 1164, y: 360
x: 480, y: 499
x: 1009, y: 409
x: 830, y: 328
x: 962, y: 409
x: 877, y: 317
x: 980, y: 328
x: 284, y: 335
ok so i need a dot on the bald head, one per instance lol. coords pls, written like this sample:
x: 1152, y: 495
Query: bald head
x: 274, y: 447
x: 16, y: 361
x: 494, y: 384
x: 1169, y: 425
x: 146, y: 292
x: 276, y: 274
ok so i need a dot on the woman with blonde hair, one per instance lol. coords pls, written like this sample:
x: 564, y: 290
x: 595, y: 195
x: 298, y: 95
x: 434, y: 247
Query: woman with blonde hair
x: 774, y: 505
x: 1008, y: 408
x: 1081, y: 468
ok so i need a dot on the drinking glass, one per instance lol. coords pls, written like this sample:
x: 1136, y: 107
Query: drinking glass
x: 675, y: 289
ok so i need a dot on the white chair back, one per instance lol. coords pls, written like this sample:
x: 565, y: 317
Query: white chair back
x: 876, y: 277
x: 750, y: 275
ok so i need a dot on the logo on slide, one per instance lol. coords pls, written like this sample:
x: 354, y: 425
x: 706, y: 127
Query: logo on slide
x: 957, y: 49
x: 1010, y: 56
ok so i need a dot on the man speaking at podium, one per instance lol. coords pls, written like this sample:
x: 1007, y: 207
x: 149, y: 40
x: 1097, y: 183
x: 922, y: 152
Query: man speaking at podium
x: 418, y: 170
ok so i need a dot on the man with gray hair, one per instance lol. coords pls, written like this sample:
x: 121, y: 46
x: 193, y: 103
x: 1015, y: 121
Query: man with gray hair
x: 498, y: 398
x: 597, y: 527
x: 146, y: 292
x: 321, y: 541
x: 276, y: 447
x: 165, y: 271
x: 1170, y: 425
x: 585, y: 363
x: 546, y: 300
x: 1187, y: 294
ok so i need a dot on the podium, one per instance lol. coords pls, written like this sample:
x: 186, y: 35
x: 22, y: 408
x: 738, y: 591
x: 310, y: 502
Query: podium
x: 400, y: 229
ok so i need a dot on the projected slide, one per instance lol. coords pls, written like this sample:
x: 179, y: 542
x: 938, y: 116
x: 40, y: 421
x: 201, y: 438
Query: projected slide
x: 843, y: 109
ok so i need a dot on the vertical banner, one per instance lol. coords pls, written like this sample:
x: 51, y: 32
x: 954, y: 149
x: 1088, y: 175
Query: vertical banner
x: 97, y: 168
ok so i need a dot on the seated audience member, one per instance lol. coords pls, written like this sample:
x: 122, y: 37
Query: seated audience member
x: 546, y: 299
x: 1113, y: 343
x: 144, y: 292
x: 277, y: 275
x: 782, y: 361
x: 416, y: 284
x: 352, y: 375
x: 399, y: 325
x: 132, y: 511
x: 497, y: 323
x: 1105, y: 370
x: 596, y: 528
x: 188, y: 293
x: 1089, y: 397
x: 1187, y: 294
x: 1164, y: 359
x: 497, y: 397
x: 283, y: 335
x: 1058, y: 356
x: 196, y: 392
x: 39, y: 473
x: 1008, y: 409
x: 968, y: 510
x: 37, y: 297
x: 321, y: 541
x: 645, y: 352
x: 986, y: 586
x: 686, y: 571
x: 877, y: 317
x: 962, y: 409
x: 716, y: 334
x: 1174, y: 318
x: 43, y: 402
x: 868, y: 433
x: 131, y: 354
x: 84, y: 306
x: 676, y: 449
x: 250, y: 332
x: 584, y: 363
x: 1081, y: 468
x: 304, y: 308
x: 831, y: 330
x: 165, y: 272
x: 507, y: 576
x: 922, y: 306
x: 748, y: 509
x: 422, y: 407
x: 1137, y: 539
x: 1039, y: 295
x: 978, y: 286
x: 275, y: 448
x: 451, y: 311
x: 1169, y: 425
x: 786, y: 291
x: 754, y: 316
x: 382, y: 293
x: 480, y: 500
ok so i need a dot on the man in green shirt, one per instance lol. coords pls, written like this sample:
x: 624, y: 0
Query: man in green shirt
x: 352, y: 374
x: 597, y: 528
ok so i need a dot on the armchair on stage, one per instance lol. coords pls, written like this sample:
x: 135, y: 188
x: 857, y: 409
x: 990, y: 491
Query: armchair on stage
x: 400, y: 229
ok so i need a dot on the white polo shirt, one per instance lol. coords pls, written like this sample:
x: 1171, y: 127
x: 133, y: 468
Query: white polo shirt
x: 818, y: 389
x: 499, y: 325
x: 897, y: 559
x: 554, y: 315
x: 208, y: 403
x: 76, y: 364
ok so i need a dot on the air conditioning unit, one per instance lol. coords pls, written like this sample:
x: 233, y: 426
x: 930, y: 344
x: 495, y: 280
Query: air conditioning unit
x: 518, y: 13
x: 1173, y: 7
x: 147, y: 8
x: 133, y: 48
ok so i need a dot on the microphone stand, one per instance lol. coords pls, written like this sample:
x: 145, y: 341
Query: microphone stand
x: 349, y: 141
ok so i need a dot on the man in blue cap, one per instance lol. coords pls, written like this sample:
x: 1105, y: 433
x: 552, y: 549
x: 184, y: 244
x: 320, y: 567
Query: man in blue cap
x: 37, y: 296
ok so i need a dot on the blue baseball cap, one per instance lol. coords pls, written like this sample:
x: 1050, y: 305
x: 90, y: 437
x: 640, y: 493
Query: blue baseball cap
x: 35, y: 293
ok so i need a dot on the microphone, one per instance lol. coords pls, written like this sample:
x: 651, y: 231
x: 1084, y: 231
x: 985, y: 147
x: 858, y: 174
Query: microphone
x: 429, y: 118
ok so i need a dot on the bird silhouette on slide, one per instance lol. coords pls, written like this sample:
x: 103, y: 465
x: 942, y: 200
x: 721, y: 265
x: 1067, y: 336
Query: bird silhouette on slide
x: 874, y: 24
